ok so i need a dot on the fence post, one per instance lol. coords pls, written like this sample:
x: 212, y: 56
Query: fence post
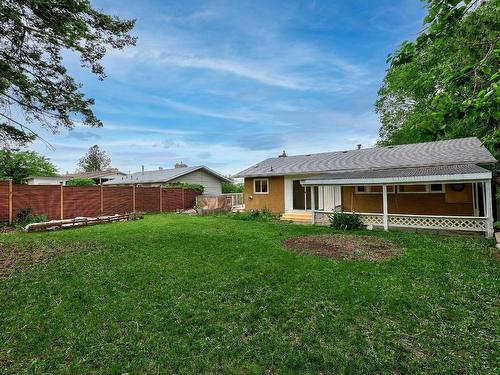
x: 183, y: 200
x: 133, y: 198
x: 62, y: 200
x: 102, y: 199
x: 10, y: 201
x: 161, y: 198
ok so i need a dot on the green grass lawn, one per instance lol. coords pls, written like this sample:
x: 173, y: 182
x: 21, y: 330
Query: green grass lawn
x: 179, y: 294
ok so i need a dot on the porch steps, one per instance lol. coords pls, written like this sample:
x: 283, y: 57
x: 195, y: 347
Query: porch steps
x: 297, y: 217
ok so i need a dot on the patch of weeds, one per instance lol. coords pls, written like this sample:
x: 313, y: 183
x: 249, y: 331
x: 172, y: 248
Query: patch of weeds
x: 264, y: 215
x: 25, y: 217
x: 344, y: 247
x: 23, y: 255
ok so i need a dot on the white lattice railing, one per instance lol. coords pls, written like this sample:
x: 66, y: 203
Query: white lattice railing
x: 237, y: 199
x: 465, y: 223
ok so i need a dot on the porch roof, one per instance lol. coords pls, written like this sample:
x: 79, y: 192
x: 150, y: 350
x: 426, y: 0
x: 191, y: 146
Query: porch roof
x: 415, y: 175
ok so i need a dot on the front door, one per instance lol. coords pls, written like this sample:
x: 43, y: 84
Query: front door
x: 302, y: 196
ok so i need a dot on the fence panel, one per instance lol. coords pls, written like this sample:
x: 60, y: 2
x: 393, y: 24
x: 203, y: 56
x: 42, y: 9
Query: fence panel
x: 4, y: 201
x: 147, y: 199
x: 82, y: 201
x: 118, y: 199
x: 43, y: 199
x: 172, y: 199
x: 190, y: 198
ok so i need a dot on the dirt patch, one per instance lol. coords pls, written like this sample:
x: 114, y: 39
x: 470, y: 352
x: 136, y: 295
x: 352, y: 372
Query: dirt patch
x: 343, y: 247
x: 25, y: 255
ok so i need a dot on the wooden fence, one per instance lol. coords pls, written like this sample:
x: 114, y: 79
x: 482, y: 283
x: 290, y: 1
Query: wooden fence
x: 66, y: 202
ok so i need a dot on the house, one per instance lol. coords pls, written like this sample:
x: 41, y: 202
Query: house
x: 211, y: 180
x: 439, y: 185
x: 97, y: 176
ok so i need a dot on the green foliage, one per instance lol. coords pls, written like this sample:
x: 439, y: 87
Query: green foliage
x: 80, y: 182
x: 25, y: 217
x: 184, y: 185
x: 34, y: 37
x: 231, y: 187
x: 343, y: 221
x: 256, y: 215
x: 95, y: 160
x: 446, y: 83
x: 19, y: 165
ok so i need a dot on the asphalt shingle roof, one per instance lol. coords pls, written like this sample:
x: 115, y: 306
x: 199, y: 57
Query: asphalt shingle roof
x: 439, y: 170
x: 455, y: 151
x: 94, y: 174
x: 160, y: 175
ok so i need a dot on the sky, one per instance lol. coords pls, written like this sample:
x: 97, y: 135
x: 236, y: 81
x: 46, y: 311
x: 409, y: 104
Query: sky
x: 227, y: 84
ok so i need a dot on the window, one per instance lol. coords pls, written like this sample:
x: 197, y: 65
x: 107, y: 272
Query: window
x: 261, y: 186
x: 436, y: 188
x: 373, y: 189
x: 419, y: 189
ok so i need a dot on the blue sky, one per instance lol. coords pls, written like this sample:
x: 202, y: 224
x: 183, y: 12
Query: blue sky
x: 229, y: 83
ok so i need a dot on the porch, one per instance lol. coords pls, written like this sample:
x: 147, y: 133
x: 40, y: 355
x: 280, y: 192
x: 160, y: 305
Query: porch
x: 456, y: 197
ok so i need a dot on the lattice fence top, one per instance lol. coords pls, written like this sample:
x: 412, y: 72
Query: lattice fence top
x: 416, y: 221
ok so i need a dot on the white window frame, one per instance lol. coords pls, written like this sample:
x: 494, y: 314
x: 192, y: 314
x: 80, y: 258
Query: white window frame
x: 427, y: 190
x: 368, y: 190
x: 261, y: 179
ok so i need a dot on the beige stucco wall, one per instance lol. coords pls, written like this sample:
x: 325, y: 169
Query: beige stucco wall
x: 274, y: 201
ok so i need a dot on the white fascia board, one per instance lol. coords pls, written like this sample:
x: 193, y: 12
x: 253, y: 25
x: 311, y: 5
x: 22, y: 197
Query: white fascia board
x: 401, y: 180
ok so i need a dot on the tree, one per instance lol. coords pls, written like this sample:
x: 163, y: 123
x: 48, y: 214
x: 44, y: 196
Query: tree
x: 80, y: 181
x: 446, y: 83
x: 95, y: 160
x: 33, y: 80
x: 232, y: 187
x: 22, y: 164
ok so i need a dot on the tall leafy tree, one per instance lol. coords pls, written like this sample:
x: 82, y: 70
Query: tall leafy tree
x: 19, y: 165
x: 446, y: 83
x: 95, y: 160
x: 34, y: 84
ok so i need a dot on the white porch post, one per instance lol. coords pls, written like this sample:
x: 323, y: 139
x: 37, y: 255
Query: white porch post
x: 313, y: 208
x: 384, y: 197
x: 488, y: 208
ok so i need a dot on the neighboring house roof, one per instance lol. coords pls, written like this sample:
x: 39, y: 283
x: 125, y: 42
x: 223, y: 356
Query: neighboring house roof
x: 456, y: 172
x: 455, y: 151
x: 161, y: 175
x: 94, y: 174
x: 61, y: 178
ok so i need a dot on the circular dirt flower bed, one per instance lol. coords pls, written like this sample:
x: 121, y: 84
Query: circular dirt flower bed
x: 343, y: 247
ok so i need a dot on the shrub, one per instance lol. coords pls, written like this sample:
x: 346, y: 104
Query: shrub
x: 345, y: 221
x: 25, y: 217
x: 80, y: 182
x: 264, y: 215
x: 184, y: 185
x: 231, y: 187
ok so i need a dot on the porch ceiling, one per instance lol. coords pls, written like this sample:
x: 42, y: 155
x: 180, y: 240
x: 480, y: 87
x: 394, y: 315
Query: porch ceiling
x: 439, y: 173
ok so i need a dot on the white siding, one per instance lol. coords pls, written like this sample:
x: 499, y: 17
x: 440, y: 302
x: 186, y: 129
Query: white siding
x: 213, y: 186
x: 46, y: 181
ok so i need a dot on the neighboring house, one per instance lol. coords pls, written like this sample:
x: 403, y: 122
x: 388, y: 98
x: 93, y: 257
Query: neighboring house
x: 46, y: 180
x: 211, y: 180
x: 439, y: 185
x: 97, y: 176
